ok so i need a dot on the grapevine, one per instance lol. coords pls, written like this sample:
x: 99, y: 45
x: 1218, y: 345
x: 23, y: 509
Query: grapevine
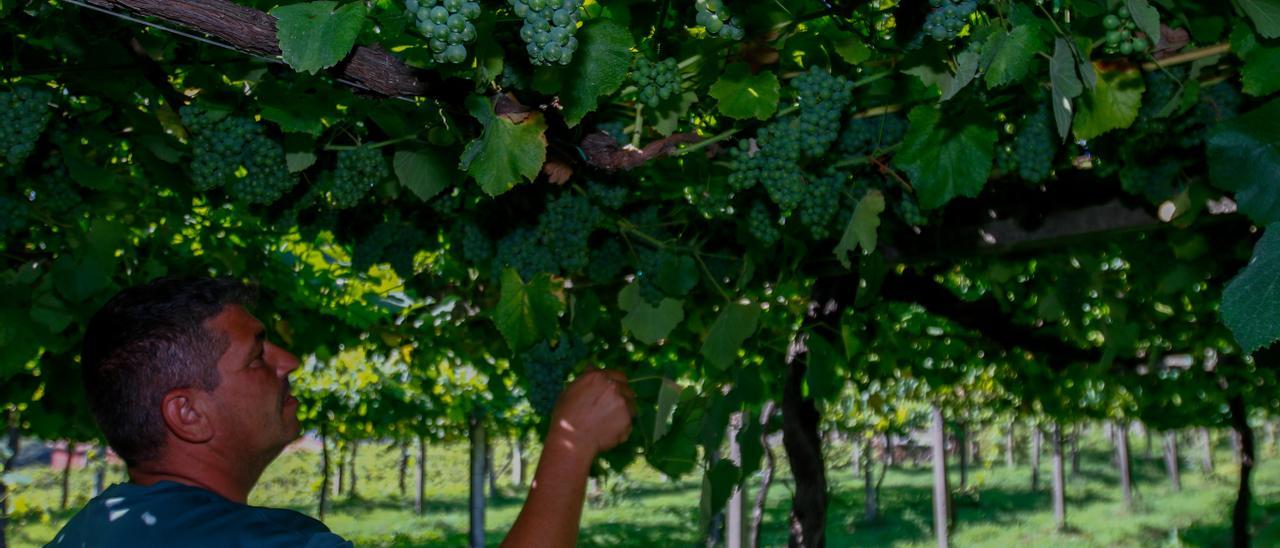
x: 761, y: 224
x: 948, y: 18
x: 1033, y: 147
x: 821, y: 200
x: 235, y: 153
x: 476, y: 245
x: 56, y: 193
x: 564, y: 228
x: 1122, y: 35
x: 656, y: 80
x: 864, y: 136
x: 24, y: 114
x: 546, y: 369
x: 607, y: 261
x: 523, y: 251
x: 549, y: 26
x: 607, y: 196
x: 358, y: 171
x: 447, y: 25
x: 822, y: 97
x: 716, y: 18
x: 13, y: 215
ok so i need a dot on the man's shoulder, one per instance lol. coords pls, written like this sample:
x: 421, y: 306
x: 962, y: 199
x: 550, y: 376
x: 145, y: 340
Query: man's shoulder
x: 170, y: 514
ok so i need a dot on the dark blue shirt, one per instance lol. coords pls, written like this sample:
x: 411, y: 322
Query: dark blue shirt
x: 172, y: 514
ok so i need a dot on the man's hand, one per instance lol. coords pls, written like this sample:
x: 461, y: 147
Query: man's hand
x: 594, y: 413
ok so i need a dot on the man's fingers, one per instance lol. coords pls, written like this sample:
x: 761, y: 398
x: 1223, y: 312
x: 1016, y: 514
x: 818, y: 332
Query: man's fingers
x: 615, y: 375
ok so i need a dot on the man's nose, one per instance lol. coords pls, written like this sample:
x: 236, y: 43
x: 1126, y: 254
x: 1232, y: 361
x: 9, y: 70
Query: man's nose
x: 284, y: 361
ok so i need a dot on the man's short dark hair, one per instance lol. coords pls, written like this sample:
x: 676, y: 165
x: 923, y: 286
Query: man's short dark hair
x: 146, y: 341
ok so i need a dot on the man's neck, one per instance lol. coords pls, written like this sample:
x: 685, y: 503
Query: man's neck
x: 202, y: 469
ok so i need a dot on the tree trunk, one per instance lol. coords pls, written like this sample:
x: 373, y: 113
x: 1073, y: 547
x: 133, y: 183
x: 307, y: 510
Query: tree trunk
x: 517, y: 460
x: 1236, y: 446
x: 962, y: 447
x: 1122, y: 463
x: 1171, y: 460
x: 1146, y: 451
x: 800, y: 419
x: 404, y: 467
x: 941, y: 492
x: 1075, y: 451
x: 100, y: 470
x: 735, y: 526
x: 14, y: 445
x: 324, y: 473
x: 1008, y: 445
x: 889, y: 459
x: 342, y: 468
x: 490, y: 471
x: 1036, y: 438
x: 1059, y: 481
x: 477, y: 482
x: 855, y: 462
x: 766, y: 476
x: 66, y: 475
x: 1206, y: 448
x: 871, y: 511
x: 1240, y: 514
x: 419, y: 497
x: 351, y: 489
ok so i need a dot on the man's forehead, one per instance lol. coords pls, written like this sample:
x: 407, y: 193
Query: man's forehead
x: 236, y: 321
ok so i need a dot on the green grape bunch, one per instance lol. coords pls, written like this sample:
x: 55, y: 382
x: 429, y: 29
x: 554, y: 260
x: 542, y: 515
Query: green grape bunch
x: 55, y: 192
x: 947, y: 18
x: 820, y: 202
x: 358, y: 171
x: 822, y: 97
x: 656, y: 80
x: 549, y: 28
x: 607, y: 262
x: 761, y: 225
x: 476, y: 245
x: 235, y: 152
x: 863, y: 136
x: 1122, y: 33
x: 523, y: 251
x: 447, y: 25
x: 24, y: 114
x: 716, y: 18
x: 546, y: 369
x: 1034, y: 147
x: 565, y: 226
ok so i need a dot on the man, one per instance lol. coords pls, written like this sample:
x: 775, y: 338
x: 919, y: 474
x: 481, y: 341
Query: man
x: 195, y: 399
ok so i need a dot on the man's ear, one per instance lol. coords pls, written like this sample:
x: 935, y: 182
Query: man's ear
x: 186, y: 415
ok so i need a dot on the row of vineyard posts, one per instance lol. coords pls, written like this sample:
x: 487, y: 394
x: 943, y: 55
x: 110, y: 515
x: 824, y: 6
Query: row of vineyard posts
x: 770, y: 217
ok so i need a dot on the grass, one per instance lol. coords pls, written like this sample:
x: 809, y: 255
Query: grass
x: 643, y: 509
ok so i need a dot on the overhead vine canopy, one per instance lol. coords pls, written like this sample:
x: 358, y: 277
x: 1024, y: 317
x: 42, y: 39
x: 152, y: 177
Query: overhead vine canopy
x: 729, y: 200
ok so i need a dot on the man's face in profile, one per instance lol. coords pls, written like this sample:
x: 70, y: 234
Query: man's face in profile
x: 253, y: 412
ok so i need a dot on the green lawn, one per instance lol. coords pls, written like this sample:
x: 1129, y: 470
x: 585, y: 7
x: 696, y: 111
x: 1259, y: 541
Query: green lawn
x: 643, y: 509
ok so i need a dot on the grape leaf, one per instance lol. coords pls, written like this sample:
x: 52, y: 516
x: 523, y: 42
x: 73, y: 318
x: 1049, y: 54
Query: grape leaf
x: 511, y: 149
x: 946, y: 158
x: 732, y: 327
x: 526, y: 313
x: 1251, y: 302
x: 598, y: 68
x: 744, y: 95
x: 1066, y: 85
x: 1260, y: 74
x: 299, y: 151
x: 646, y: 322
x: 424, y: 172
x: 1146, y: 17
x: 1012, y: 54
x: 1112, y: 104
x: 668, y: 396
x: 1244, y: 157
x: 966, y: 70
x: 717, y: 486
x: 1265, y: 15
x: 317, y: 35
x: 862, y: 227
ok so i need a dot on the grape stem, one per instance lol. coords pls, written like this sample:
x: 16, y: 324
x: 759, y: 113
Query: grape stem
x: 374, y: 145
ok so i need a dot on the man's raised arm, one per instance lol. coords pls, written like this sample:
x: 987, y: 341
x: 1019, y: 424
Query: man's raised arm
x: 593, y: 415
